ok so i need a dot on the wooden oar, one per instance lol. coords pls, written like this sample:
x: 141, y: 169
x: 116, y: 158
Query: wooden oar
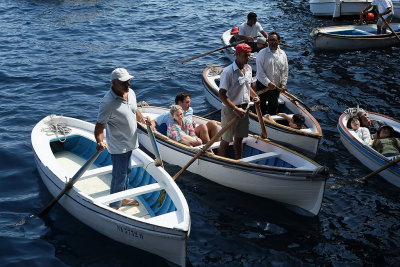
x: 209, y: 144
x: 70, y: 184
x: 211, y: 113
x: 205, y: 54
x: 158, y: 161
x: 384, y: 167
x: 306, y: 52
x: 294, y: 98
x: 388, y: 25
x: 261, y: 121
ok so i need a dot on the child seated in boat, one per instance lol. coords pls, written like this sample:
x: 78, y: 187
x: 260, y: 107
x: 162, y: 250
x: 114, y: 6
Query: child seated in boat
x: 181, y: 129
x: 235, y: 37
x: 362, y: 132
x: 385, y: 143
x: 296, y: 121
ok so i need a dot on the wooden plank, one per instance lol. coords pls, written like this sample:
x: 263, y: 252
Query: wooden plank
x: 129, y: 193
x: 260, y: 156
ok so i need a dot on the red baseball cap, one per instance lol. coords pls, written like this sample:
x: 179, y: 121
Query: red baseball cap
x: 234, y: 30
x: 242, y: 48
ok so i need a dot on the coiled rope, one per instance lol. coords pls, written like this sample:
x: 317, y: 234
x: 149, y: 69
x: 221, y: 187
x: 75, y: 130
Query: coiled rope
x: 55, y: 126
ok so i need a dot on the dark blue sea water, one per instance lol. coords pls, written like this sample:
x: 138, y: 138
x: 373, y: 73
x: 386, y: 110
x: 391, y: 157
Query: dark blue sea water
x: 56, y: 57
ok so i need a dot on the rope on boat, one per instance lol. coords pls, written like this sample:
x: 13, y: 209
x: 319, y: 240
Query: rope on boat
x: 215, y: 70
x: 142, y: 104
x: 351, y: 112
x: 55, y: 126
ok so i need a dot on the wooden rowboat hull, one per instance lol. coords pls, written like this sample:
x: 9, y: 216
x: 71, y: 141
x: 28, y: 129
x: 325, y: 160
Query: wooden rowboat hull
x: 306, y: 140
x: 353, y: 37
x: 291, y: 178
x: 162, y: 230
x: 369, y: 157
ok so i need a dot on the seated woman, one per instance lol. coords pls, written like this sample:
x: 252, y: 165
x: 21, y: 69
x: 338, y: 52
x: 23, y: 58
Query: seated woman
x: 385, y: 143
x: 181, y: 129
x: 297, y: 121
x: 362, y: 132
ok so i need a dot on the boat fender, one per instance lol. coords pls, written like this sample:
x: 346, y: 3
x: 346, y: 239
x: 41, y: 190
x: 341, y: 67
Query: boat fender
x: 314, y: 33
x: 321, y: 170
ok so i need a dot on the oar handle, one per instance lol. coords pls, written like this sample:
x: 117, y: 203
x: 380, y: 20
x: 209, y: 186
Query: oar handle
x: 70, y: 184
x: 208, y: 145
x: 261, y: 121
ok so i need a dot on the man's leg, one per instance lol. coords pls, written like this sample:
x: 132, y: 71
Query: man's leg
x: 238, y: 147
x: 223, y: 148
x: 273, y: 104
x: 120, y: 173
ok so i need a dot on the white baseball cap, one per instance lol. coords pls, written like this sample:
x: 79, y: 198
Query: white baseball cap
x: 121, y: 74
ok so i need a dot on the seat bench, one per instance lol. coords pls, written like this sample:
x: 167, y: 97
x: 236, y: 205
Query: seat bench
x: 130, y: 193
x: 260, y: 156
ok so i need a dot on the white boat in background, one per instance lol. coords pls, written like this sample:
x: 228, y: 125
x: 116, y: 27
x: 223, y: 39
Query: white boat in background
x: 304, y: 140
x: 368, y: 156
x: 267, y: 169
x: 396, y: 8
x: 353, y: 37
x: 62, y: 145
x: 337, y: 8
x: 226, y: 36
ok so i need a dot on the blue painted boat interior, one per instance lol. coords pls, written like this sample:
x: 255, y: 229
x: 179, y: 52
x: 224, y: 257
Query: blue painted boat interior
x: 85, y: 148
x: 247, y: 152
x: 354, y: 32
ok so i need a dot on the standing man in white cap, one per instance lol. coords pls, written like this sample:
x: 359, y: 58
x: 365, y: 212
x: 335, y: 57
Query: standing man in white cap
x: 118, y: 114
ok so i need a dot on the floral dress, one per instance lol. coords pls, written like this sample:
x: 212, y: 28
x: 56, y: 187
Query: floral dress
x: 174, y: 131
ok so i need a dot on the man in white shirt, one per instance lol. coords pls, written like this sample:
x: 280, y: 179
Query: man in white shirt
x: 235, y: 93
x: 272, y: 73
x: 250, y: 29
x: 385, y: 11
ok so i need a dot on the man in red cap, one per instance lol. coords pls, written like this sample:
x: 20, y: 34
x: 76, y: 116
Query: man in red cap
x: 235, y: 93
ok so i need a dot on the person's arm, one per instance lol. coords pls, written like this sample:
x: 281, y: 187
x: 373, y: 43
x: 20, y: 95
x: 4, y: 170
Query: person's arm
x: 99, y: 136
x: 239, y: 112
x: 285, y: 72
x: 388, y: 10
x: 264, y: 34
x: 142, y: 119
x: 363, y: 12
x: 286, y: 116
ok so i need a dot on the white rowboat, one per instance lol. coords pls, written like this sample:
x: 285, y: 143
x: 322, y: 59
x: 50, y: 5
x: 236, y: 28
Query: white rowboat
x: 305, y: 139
x: 267, y: 169
x: 336, y: 8
x: 368, y: 156
x: 226, y: 36
x: 353, y: 37
x: 159, y: 227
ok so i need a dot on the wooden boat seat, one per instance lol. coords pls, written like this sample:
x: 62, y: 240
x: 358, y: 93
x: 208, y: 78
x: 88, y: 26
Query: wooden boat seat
x: 361, y: 32
x: 165, y: 219
x: 130, y: 193
x: 260, y: 156
x: 213, y: 146
x: 108, y: 169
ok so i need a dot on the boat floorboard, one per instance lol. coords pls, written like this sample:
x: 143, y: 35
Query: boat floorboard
x: 96, y: 186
